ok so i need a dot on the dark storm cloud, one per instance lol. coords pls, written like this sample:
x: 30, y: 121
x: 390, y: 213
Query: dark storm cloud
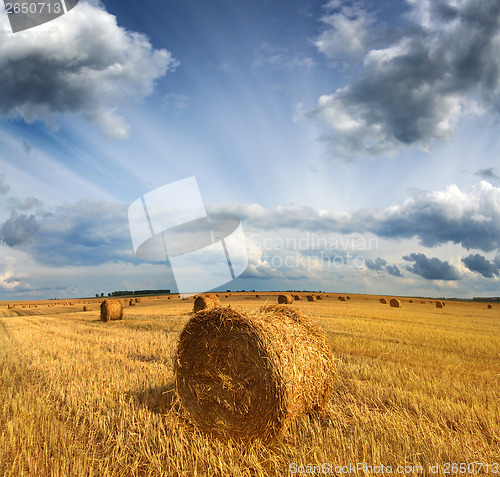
x: 394, y: 271
x: 431, y: 268
x: 445, y: 67
x: 377, y: 264
x: 84, y: 233
x: 18, y: 229
x: 471, y: 219
x: 488, y: 174
x: 80, y: 234
x: 478, y: 263
x: 86, y: 65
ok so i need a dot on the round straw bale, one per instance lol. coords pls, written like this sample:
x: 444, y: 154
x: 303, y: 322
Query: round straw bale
x: 489, y: 307
x: 383, y: 301
x: 411, y: 301
x: 348, y: 297
x: 203, y: 302
x: 395, y: 303
x: 311, y: 298
x: 137, y: 300
x: 439, y: 304
x: 285, y: 299
x: 319, y: 297
x: 111, y: 310
x: 342, y: 298
x: 131, y: 302
x: 249, y: 375
x: 257, y: 296
x: 297, y: 297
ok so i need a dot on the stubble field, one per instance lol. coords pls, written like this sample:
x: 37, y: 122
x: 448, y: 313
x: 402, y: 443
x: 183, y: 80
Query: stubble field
x: 415, y: 386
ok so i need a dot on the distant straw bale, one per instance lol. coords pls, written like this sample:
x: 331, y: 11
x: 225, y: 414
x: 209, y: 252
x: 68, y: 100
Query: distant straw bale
x: 411, y: 301
x: 257, y: 296
x: 383, y: 301
x: 489, y: 307
x: 131, y: 302
x: 285, y: 299
x: 86, y: 308
x: 137, y: 300
x: 249, y: 375
x: 319, y: 297
x: 111, y: 310
x: 439, y: 304
x: 348, y: 297
x: 395, y: 303
x: 311, y: 298
x: 297, y: 297
x: 205, y: 302
x: 342, y: 298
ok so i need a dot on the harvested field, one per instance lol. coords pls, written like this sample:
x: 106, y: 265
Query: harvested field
x: 413, y: 386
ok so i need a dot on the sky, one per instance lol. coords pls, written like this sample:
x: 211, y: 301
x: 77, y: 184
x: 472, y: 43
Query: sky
x: 356, y: 141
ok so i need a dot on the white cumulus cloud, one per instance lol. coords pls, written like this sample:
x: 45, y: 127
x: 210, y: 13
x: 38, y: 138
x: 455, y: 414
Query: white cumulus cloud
x: 81, y: 63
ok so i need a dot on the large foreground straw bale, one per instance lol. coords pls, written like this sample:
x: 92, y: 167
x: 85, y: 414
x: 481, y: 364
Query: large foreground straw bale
x: 249, y: 375
x: 205, y: 302
x: 285, y: 299
x: 111, y: 310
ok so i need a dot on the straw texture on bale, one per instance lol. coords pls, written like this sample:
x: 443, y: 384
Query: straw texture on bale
x: 285, y: 299
x: 205, y: 302
x: 395, y: 303
x: 111, y: 310
x: 311, y: 298
x: 249, y: 375
x: 439, y: 304
x: 383, y: 301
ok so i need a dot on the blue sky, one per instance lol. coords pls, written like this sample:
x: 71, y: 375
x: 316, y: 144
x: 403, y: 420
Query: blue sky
x: 356, y: 141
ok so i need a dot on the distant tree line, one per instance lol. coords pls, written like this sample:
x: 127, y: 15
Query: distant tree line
x: 135, y: 293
